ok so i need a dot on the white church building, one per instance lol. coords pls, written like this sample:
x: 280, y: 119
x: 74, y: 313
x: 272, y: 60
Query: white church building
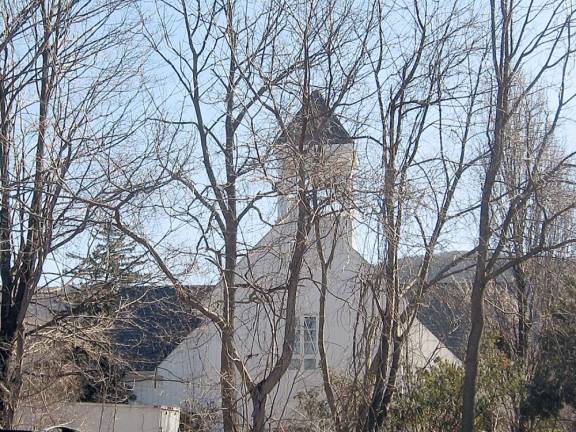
x: 189, y: 375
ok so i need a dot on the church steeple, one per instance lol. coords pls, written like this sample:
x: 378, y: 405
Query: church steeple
x: 327, y: 152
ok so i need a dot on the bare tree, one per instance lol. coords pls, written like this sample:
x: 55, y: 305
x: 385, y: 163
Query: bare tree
x: 208, y: 162
x: 65, y: 68
x: 534, y: 281
x: 237, y: 71
x: 518, y: 52
x: 416, y: 84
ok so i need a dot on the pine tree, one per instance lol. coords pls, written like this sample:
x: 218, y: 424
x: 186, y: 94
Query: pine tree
x: 112, y: 266
x: 100, y: 281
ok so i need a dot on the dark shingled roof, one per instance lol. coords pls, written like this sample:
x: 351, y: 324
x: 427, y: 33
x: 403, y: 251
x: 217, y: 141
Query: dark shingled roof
x: 445, y: 307
x: 154, y: 322
x: 445, y: 311
x: 322, y: 126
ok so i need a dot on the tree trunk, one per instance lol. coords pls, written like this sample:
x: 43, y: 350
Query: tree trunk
x: 227, y: 367
x: 258, y: 408
x: 6, y: 410
x: 472, y: 357
x: 325, y: 264
x: 228, y: 384
x: 501, y: 59
x: 11, y: 353
x: 521, y: 351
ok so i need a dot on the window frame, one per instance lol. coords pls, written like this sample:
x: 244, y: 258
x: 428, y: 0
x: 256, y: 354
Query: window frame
x: 305, y: 350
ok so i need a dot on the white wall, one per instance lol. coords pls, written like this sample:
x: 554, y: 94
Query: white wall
x: 191, y: 372
x: 94, y: 417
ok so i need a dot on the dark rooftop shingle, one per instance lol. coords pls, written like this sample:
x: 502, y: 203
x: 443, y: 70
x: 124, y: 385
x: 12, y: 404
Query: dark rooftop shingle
x: 154, y: 322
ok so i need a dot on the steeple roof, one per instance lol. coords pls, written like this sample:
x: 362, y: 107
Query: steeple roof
x: 322, y: 125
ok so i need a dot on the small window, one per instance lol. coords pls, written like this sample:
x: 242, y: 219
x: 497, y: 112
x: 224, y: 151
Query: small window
x: 310, y: 335
x: 305, y: 344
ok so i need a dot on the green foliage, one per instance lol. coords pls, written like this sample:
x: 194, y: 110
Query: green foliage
x: 554, y: 383
x: 432, y: 402
x: 432, y: 397
x: 429, y: 400
x: 111, y: 263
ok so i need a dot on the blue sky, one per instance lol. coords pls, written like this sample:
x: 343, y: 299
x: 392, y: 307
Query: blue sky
x: 170, y: 98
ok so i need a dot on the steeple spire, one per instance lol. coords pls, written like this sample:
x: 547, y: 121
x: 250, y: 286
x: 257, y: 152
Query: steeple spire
x: 317, y: 136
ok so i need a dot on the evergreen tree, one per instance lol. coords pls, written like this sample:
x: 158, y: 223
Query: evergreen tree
x: 111, y: 266
x: 110, y: 269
